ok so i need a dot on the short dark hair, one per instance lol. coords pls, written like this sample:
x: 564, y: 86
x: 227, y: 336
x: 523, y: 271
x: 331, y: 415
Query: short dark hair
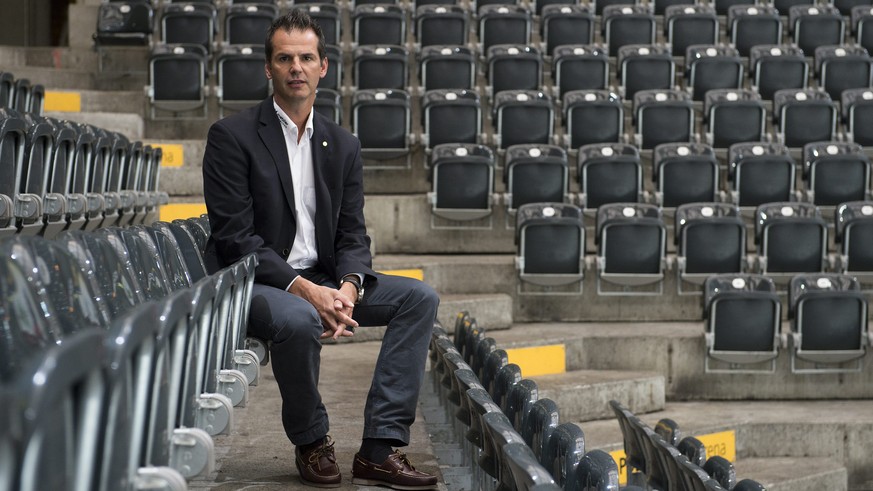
x: 295, y: 19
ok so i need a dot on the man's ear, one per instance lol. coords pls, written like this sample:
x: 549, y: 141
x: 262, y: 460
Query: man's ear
x: 267, y: 71
x: 323, y: 67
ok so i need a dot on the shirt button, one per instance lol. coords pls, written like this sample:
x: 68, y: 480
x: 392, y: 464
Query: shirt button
x: 286, y: 252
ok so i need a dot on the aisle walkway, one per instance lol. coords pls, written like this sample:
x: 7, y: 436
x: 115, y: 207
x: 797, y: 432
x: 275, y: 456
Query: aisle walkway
x: 257, y: 454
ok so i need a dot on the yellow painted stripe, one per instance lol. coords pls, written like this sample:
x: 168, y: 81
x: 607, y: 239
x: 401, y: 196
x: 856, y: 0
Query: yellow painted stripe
x: 417, y: 274
x: 173, y: 154
x: 723, y: 444
x: 539, y: 360
x: 69, y: 102
x: 173, y: 211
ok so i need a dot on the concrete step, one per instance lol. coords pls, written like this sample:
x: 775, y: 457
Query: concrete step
x: 584, y: 395
x: 81, y: 79
x: 776, y: 441
x: 676, y: 350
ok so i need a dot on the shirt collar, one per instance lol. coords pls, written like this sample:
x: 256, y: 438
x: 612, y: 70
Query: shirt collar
x: 286, y: 122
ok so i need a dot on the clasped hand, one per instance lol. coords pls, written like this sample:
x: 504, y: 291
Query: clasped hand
x: 333, y: 306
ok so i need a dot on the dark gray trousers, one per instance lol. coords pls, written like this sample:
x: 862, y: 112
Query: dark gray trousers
x: 407, y: 306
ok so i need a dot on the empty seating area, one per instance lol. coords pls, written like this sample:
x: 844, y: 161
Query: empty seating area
x: 123, y: 356
x: 514, y: 438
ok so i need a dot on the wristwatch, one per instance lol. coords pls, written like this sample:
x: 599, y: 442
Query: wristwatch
x: 356, y: 282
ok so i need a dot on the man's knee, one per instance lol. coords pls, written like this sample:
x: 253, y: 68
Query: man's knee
x: 425, y: 295
x: 304, y: 323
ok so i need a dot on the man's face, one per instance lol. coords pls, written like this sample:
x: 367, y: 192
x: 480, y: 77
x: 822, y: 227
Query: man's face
x: 295, y: 67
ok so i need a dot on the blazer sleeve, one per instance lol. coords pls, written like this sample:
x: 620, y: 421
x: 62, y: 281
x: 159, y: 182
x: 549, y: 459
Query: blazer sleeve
x: 226, y: 189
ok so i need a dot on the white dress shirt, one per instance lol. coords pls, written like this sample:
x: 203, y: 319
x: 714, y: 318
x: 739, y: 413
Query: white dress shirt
x: 303, y: 251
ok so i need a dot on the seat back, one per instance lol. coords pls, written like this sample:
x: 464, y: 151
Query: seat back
x: 523, y: 116
x: 541, y: 422
x: 451, y: 116
x: 854, y: 229
x: 562, y: 454
x: 662, y: 116
x: 792, y: 238
x: 447, y: 67
x: 437, y: 24
x: 463, y: 180
x: 685, y: 173
x: 753, y: 25
x: 836, y: 172
x: 551, y: 243
x: 775, y: 67
x: 688, y: 25
x: 627, y: 24
x: 645, y: 67
x: 524, y: 468
x: 566, y: 23
x: 592, y: 116
x: 536, y: 174
x: 580, y: 67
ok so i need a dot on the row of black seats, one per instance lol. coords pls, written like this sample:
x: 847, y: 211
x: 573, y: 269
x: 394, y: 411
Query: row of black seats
x: 121, y: 357
x: 512, y: 439
x: 19, y: 94
x: 631, y: 241
x: 828, y: 331
x: 659, y: 459
x: 504, y: 22
x: 753, y: 174
x: 60, y: 175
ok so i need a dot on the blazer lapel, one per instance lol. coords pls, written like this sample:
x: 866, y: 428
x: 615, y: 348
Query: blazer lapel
x: 273, y: 138
x: 322, y: 162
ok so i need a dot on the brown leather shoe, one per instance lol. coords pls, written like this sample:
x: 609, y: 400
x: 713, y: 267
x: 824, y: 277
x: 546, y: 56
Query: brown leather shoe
x: 396, y: 472
x: 317, y: 467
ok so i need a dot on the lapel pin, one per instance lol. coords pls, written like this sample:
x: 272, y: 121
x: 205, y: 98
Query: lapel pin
x: 324, y: 143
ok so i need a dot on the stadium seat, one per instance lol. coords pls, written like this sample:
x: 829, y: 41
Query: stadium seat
x: 792, y: 238
x: 483, y: 349
x: 712, y: 67
x: 684, y: 173
x: 22, y: 91
x: 634, y: 454
x: 535, y: 174
x: 804, y: 116
x: 527, y: 473
x: 592, y: 116
x: 119, y: 151
x: 7, y: 89
x: 835, y: 172
x: 857, y: 114
x: 596, y: 470
x: 447, y: 67
x: 381, y: 118
x: 693, y: 449
x: 733, y: 116
x: 564, y: 450
x: 380, y: 67
x: 565, y: 23
x: 760, y: 173
x: 609, y: 173
x: 463, y: 181
x: 522, y: 116
x: 95, y: 187
x: 785, y: 5
x: 498, y: 432
x: 853, y: 224
x: 711, y: 240
x: 579, y: 67
x: 177, y: 80
x: 441, y: 25
x: 742, y: 315
x: 829, y: 323
x: 753, y: 25
x: 329, y: 103
x: 627, y: 24
x: 722, y: 470
x: 749, y: 485
x: 503, y: 24
x: 776, y: 67
x: 124, y: 23
x: 329, y: 18
x: 248, y: 23
x: 631, y: 239
x: 843, y: 67
x: 518, y: 402
x: 861, y: 27
x: 689, y: 24
x: 541, y: 423
x: 506, y: 377
x: 378, y: 24
x: 495, y: 361
x: 333, y: 79
x: 513, y: 67
x: 644, y: 67
x: 239, y: 81
x: 662, y: 116
x: 812, y: 26
x: 451, y: 116
x: 551, y: 244
x: 28, y: 199
x: 480, y: 403
x: 189, y: 23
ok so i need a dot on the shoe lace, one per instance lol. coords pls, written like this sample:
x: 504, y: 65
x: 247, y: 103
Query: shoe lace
x: 403, y: 459
x: 325, y: 450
